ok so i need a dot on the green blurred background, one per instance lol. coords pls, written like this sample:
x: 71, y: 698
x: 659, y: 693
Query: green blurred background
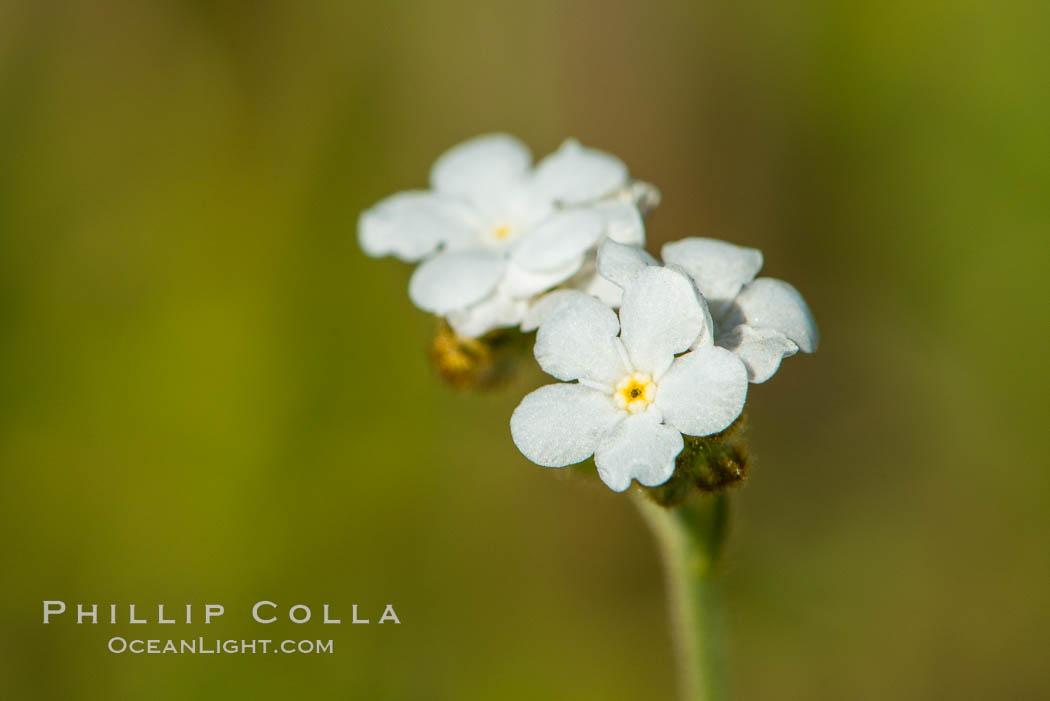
x: 208, y: 394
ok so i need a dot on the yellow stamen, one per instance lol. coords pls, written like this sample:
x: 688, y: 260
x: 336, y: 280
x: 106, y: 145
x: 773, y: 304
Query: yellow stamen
x: 635, y: 392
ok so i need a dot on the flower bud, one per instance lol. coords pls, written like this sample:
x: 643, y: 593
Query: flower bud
x: 479, y: 363
x: 706, y: 464
x: 643, y: 195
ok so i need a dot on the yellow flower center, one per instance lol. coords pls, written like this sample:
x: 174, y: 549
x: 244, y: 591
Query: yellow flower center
x: 501, y: 232
x: 635, y: 392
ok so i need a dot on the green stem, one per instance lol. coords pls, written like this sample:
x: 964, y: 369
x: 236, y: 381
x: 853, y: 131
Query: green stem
x: 690, y: 538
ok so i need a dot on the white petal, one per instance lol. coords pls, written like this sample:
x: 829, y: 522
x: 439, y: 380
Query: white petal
x: 496, y: 311
x: 661, y: 315
x: 481, y: 166
x: 703, y: 392
x: 560, y: 238
x: 543, y: 307
x: 760, y: 350
x: 774, y: 304
x: 623, y: 222
x: 578, y: 341
x: 707, y: 336
x: 454, y: 280
x: 561, y: 424
x: 574, y: 174
x: 411, y: 225
x: 588, y: 280
x: 640, y: 448
x: 516, y: 206
x: 599, y: 287
x: 619, y: 263
x: 521, y: 283
x: 719, y: 269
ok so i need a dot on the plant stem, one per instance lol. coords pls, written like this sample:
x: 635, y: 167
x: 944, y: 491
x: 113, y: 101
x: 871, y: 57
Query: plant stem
x: 690, y: 537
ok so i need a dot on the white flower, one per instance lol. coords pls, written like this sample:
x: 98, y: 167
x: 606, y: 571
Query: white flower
x: 644, y: 378
x: 493, y: 232
x: 761, y: 321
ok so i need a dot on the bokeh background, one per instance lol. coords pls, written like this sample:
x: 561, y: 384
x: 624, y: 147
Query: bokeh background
x: 208, y: 394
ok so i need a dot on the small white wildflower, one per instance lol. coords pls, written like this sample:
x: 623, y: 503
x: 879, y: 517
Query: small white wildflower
x: 494, y: 232
x: 644, y: 378
x: 760, y: 320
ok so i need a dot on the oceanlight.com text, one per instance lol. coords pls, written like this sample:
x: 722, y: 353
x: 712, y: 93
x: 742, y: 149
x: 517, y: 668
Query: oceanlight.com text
x: 212, y: 646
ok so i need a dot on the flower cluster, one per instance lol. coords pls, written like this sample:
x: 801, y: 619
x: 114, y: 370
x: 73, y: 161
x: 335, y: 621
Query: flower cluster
x: 493, y: 232
x: 653, y: 358
x: 675, y: 362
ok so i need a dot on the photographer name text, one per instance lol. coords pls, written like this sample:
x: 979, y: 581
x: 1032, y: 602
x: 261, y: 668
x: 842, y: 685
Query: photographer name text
x: 264, y: 612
